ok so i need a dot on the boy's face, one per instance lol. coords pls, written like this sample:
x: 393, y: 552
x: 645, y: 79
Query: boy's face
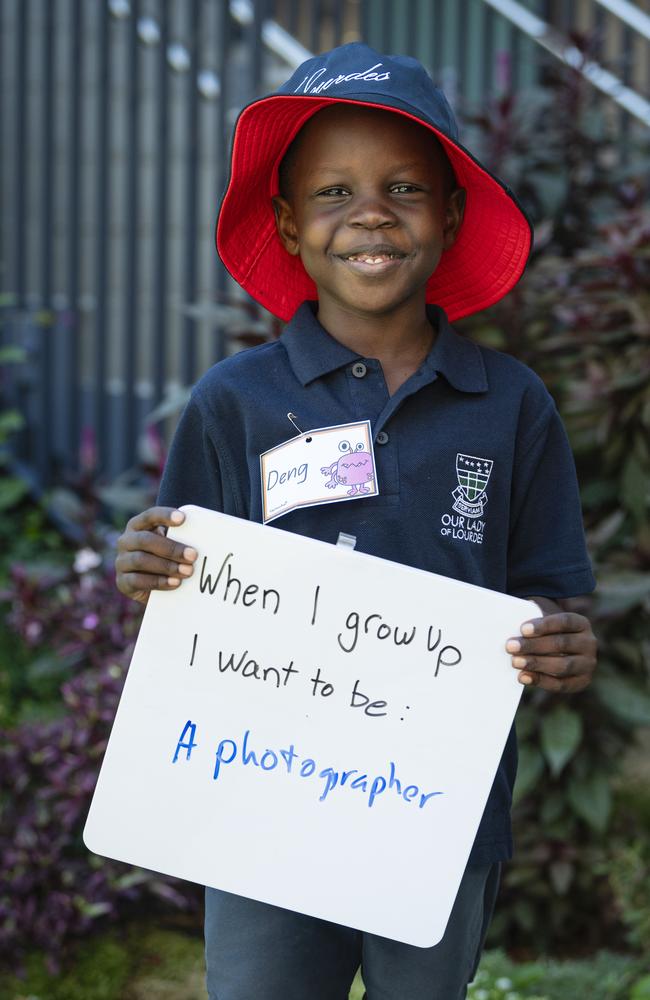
x: 368, y: 208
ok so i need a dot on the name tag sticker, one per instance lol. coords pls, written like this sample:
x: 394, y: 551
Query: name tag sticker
x: 324, y: 465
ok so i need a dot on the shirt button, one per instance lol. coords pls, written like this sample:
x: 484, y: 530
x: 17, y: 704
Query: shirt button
x: 359, y: 369
x: 382, y: 438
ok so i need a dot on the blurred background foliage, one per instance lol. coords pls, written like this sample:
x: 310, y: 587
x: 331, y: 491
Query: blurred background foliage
x: 581, y: 319
x: 580, y: 879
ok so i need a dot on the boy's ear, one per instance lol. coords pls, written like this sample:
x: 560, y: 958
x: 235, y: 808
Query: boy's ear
x: 286, y: 225
x: 454, y: 213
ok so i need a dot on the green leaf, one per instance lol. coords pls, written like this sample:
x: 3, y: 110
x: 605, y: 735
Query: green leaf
x: 10, y: 422
x: 634, y: 488
x: 12, y: 490
x: 624, y: 698
x: 524, y: 913
x: 591, y: 800
x: 598, y: 492
x: 552, y: 808
x: 561, y: 734
x: 131, y: 879
x: 12, y: 355
x: 529, y: 770
x: 641, y: 989
x: 92, y: 909
x: 51, y: 667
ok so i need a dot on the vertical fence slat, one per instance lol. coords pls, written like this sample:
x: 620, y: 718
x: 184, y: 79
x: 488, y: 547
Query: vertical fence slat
x: 488, y: 54
x: 386, y: 26
x: 366, y: 22
x: 474, y: 55
x: 339, y: 21
x: 316, y: 12
x: 412, y: 29
x: 73, y: 428
x: 461, y: 48
x: 189, y: 234
x: 130, y: 269
x: 437, y: 32
x: 294, y: 15
x: 20, y: 159
x: 8, y: 99
x: 45, y: 235
x: 257, y: 53
x: 425, y: 27
x: 100, y: 421
x: 160, y: 350
x: 221, y: 152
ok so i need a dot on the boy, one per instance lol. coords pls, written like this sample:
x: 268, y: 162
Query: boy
x: 353, y: 212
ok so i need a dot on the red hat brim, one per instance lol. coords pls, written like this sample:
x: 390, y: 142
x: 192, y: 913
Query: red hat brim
x: 485, y: 262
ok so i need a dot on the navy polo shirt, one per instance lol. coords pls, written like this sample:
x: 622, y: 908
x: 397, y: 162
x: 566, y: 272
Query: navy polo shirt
x: 476, y: 477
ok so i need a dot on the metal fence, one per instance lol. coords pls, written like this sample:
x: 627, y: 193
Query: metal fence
x: 115, y: 117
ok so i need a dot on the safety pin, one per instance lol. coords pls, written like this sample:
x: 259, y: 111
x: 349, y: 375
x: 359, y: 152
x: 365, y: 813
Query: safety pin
x: 292, y: 418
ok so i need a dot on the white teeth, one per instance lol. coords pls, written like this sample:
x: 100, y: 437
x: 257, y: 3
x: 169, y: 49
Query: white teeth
x: 372, y: 260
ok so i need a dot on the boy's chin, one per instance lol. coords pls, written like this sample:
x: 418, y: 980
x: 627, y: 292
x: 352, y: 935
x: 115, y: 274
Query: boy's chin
x: 372, y: 304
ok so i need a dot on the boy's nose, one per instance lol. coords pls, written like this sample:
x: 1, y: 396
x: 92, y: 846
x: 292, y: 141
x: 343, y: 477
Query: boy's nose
x: 371, y: 213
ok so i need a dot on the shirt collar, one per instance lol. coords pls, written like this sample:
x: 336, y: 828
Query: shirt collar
x: 458, y: 359
x: 313, y: 352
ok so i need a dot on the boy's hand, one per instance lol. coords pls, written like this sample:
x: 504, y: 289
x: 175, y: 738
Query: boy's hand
x: 146, y: 559
x: 556, y: 652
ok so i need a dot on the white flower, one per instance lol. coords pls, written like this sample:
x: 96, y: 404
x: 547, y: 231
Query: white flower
x: 86, y: 559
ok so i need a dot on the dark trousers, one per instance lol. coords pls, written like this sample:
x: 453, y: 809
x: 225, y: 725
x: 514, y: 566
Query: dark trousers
x: 259, y: 952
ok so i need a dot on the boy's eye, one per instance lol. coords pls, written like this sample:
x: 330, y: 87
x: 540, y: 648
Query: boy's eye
x: 333, y: 192
x: 403, y: 188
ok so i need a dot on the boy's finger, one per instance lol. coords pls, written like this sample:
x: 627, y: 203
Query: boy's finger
x: 138, y: 583
x: 150, y: 519
x: 560, y: 666
x: 556, y: 685
x: 563, y: 644
x: 561, y: 621
x: 151, y: 565
x: 159, y: 545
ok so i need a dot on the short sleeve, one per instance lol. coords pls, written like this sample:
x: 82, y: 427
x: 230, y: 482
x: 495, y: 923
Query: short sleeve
x: 547, y: 554
x: 192, y: 472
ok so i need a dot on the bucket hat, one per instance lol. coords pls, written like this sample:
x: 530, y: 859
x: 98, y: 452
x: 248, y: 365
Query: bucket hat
x: 495, y: 237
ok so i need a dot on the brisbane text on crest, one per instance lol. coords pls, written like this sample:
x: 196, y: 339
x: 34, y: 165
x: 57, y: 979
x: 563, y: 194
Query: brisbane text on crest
x: 473, y: 476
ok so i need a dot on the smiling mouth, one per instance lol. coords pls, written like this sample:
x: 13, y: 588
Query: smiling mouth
x: 373, y: 255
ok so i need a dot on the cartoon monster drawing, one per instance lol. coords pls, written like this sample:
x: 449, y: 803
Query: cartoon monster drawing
x: 353, y: 469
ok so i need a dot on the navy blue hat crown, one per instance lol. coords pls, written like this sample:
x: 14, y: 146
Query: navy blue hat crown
x: 355, y: 72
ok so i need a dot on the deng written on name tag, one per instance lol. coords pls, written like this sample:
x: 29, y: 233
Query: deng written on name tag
x: 324, y: 465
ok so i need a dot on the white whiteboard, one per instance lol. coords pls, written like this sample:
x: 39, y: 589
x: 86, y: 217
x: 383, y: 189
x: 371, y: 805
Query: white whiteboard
x: 377, y: 700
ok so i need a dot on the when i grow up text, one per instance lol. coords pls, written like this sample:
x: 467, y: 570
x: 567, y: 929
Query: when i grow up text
x: 356, y: 630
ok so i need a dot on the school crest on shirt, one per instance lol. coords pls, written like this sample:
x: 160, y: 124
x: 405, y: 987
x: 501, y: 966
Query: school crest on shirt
x: 473, y: 476
x: 469, y: 496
